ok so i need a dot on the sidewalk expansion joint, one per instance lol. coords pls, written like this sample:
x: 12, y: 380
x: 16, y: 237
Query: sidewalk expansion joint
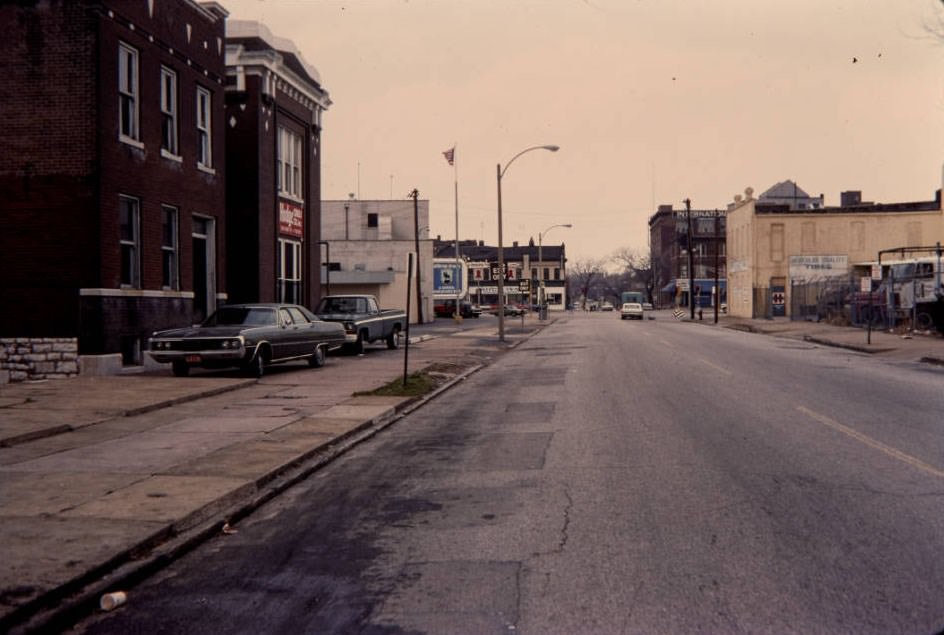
x: 209, y: 392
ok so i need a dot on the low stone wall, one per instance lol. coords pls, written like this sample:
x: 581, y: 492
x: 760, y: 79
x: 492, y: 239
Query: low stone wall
x: 30, y: 358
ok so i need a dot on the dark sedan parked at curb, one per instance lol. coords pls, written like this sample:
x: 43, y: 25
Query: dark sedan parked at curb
x: 247, y: 336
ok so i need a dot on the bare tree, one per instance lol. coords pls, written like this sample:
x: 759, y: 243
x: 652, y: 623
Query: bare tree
x: 583, y: 275
x: 935, y: 26
x: 637, y: 270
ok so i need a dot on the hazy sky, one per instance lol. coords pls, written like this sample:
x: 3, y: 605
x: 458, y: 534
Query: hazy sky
x: 651, y: 101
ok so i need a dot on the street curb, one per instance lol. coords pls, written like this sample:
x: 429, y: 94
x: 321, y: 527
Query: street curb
x: 852, y: 347
x: 35, y: 435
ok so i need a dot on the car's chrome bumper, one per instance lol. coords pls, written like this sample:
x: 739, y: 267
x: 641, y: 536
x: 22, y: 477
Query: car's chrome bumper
x: 197, y: 357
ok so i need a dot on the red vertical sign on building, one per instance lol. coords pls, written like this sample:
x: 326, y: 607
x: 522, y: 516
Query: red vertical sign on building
x: 291, y: 218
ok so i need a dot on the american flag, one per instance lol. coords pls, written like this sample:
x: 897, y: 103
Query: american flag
x: 450, y: 155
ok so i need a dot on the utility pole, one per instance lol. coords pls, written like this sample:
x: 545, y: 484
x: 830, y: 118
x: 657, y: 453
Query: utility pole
x: 717, y: 274
x: 416, y: 239
x: 691, y: 260
x: 327, y: 264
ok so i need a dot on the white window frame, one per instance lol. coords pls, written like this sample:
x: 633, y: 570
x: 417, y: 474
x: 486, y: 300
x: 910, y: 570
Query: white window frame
x: 170, y: 251
x: 204, y: 128
x: 289, y: 269
x: 129, y: 123
x: 169, y: 137
x: 130, y: 244
x: 289, y: 164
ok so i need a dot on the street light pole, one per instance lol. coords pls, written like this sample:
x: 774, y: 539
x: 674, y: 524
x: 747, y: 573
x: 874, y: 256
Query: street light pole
x: 501, y: 250
x: 541, y: 268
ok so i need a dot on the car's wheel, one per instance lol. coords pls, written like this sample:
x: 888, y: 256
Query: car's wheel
x: 255, y: 367
x: 358, y: 347
x: 317, y: 359
x: 393, y: 340
x: 924, y: 321
x: 180, y: 369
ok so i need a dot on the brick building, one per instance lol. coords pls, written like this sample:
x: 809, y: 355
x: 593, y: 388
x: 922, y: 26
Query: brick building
x: 274, y: 106
x: 669, y: 255
x: 112, y: 171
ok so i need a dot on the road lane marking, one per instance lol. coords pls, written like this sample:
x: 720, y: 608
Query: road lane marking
x: 869, y: 441
x: 667, y: 343
x: 715, y: 366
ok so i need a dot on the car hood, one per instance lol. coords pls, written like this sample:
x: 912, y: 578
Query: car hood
x: 204, y: 331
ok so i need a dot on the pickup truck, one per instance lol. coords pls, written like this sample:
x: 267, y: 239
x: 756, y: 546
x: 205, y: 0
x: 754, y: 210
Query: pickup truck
x: 364, y: 322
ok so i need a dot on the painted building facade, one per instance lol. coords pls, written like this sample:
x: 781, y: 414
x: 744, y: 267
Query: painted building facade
x: 768, y: 244
x: 367, y: 250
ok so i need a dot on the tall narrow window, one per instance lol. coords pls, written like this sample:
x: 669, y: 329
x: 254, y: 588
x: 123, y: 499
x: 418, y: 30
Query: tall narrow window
x: 279, y: 144
x: 857, y: 236
x: 130, y: 236
x: 289, y: 163
x: 169, y: 278
x: 290, y: 271
x: 808, y: 237
x: 128, y: 93
x: 204, y: 138
x: 776, y: 242
x: 168, y: 111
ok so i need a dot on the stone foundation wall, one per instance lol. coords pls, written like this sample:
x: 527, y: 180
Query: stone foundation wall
x: 29, y: 358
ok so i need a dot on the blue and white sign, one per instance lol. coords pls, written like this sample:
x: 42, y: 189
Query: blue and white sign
x: 449, y: 278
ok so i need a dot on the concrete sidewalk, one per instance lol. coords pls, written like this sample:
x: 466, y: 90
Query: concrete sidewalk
x: 105, y: 479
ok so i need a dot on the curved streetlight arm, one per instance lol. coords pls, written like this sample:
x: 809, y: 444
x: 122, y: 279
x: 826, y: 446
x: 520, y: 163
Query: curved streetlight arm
x: 550, y: 148
x: 544, y: 233
x: 501, y: 256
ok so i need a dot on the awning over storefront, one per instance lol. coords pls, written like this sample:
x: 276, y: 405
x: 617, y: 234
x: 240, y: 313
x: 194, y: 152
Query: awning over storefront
x: 669, y: 288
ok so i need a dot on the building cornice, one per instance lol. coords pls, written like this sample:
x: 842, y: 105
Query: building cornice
x: 271, y: 64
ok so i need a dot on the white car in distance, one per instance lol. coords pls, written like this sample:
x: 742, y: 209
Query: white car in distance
x: 631, y: 311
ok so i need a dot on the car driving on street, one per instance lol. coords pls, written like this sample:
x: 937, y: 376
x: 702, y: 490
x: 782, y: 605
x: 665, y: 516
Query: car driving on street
x: 631, y: 311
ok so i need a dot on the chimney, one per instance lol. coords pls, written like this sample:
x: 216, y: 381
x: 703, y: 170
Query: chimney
x: 850, y: 198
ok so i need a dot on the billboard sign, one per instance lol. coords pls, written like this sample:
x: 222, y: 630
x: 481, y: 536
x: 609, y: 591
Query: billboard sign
x: 449, y: 278
x: 806, y: 268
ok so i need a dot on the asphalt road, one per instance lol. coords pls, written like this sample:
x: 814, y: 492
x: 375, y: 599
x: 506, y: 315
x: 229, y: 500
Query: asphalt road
x: 605, y: 477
